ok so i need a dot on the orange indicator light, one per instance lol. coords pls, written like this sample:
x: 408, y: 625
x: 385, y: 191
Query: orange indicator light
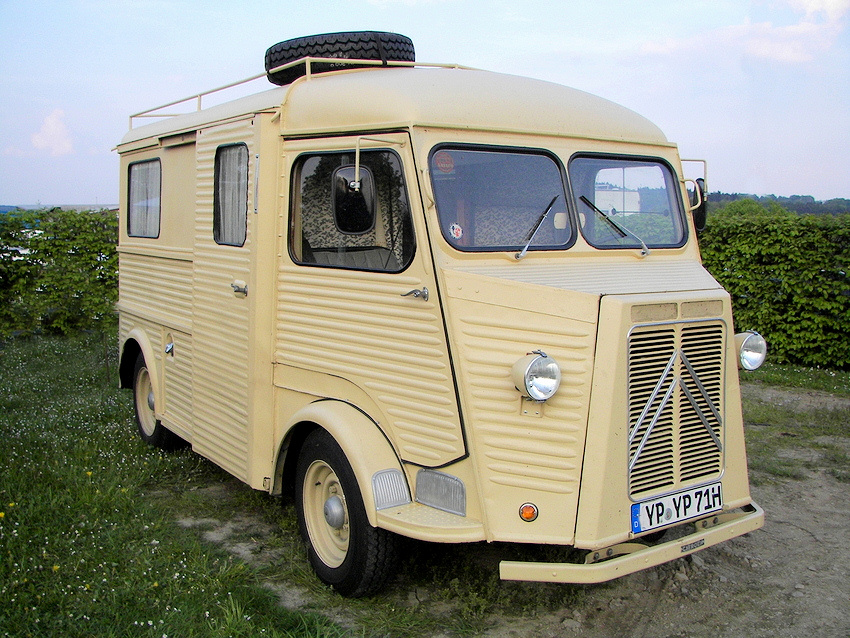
x: 528, y: 512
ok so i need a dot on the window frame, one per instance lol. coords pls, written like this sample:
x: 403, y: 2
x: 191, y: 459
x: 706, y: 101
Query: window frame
x: 296, y: 196
x: 220, y: 228
x: 514, y: 150
x: 681, y: 209
x: 130, y: 203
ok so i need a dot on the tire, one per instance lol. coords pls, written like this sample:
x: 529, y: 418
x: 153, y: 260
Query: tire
x: 344, y: 550
x: 360, y: 45
x: 151, y: 430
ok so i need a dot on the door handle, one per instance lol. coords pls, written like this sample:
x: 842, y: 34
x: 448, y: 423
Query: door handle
x: 239, y: 287
x: 418, y: 293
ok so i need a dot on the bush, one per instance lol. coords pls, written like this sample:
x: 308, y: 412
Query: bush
x: 59, y: 271
x: 788, y: 277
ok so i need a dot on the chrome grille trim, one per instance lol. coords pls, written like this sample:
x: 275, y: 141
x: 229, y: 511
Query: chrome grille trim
x: 675, y: 405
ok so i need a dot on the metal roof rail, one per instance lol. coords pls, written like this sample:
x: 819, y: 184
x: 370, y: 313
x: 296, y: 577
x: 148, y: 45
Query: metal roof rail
x: 307, y: 61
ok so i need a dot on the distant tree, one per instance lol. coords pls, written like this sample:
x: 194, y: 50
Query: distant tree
x: 799, y: 204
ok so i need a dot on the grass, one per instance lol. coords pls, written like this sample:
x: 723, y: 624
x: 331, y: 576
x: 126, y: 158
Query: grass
x: 790, y: 441
x: 86, y: 547
x: 793, y: 376
x: 90, y: 543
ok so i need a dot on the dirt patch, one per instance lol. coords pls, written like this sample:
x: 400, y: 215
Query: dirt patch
x: 795, y: 400
x: 790, y: 579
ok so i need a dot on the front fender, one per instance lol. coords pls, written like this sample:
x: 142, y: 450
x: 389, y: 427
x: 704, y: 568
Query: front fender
x: 365, y: 446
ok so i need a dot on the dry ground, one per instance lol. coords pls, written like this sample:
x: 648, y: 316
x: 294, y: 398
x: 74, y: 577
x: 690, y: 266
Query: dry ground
x: 790, y: 579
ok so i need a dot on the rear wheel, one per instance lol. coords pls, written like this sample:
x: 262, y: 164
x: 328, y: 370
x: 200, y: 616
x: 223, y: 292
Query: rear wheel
x: 345, y: 551
x: 151, y: 430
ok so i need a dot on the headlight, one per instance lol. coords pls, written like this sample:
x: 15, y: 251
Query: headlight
x: 537, y: 376
x: 752, y: 349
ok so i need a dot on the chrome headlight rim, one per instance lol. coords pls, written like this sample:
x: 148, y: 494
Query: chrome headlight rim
x: 752, y: 350
x: 537, y: 376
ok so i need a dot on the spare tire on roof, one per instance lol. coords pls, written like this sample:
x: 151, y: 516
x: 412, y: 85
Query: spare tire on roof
x: 357, y: 45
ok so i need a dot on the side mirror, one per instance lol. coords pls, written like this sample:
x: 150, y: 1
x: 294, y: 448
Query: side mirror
x: 353, y: 202
x: 698, y: 204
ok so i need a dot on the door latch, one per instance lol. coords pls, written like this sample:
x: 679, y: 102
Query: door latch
x: 239, y: 287
x: 418, y: 293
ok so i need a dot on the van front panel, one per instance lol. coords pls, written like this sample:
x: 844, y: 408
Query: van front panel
x: 664, y: 417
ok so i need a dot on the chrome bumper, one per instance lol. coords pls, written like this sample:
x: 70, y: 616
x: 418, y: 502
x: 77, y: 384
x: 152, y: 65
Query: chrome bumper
x: 626, y: 558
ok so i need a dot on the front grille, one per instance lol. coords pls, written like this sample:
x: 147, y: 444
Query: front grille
x: 675, y: 405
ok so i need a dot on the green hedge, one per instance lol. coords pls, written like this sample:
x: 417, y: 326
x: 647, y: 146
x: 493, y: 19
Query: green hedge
x: 788, y: 277
x: 58, y: 271
x: 787, y: 274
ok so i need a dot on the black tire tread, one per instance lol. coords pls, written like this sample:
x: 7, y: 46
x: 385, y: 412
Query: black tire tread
x: 374, y: 552
x: 362, y: 45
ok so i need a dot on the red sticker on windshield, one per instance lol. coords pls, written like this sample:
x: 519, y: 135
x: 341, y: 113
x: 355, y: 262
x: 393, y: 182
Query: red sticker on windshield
x: 444, y: 162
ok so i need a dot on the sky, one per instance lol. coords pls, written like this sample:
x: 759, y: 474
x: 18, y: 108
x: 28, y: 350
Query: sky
x: 758, y: 88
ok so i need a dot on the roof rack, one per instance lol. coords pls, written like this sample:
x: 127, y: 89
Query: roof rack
x: 307, y: 61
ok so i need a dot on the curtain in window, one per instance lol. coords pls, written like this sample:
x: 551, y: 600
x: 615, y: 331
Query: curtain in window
x: 143, y: 209
x: 231, y: 195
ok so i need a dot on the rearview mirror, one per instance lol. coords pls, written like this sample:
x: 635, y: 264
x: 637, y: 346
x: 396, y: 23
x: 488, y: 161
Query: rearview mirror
x: 698, y: 204
x: 353, y: 201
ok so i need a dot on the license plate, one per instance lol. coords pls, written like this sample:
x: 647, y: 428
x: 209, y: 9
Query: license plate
x: 675, y: 508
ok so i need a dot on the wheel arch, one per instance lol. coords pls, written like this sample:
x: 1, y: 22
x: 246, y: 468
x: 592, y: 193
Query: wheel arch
x: 364, y: 444
x: 137, y: 342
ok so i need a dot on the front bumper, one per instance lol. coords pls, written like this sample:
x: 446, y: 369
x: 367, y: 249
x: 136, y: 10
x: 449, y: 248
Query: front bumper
x: 627, y: 558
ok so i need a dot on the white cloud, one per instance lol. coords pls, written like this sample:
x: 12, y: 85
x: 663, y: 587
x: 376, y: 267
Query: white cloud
x: 804, y: 41
x: 13, y: 151
x: 797, y: 43
x: 54, y: 135
x: 834, y: 10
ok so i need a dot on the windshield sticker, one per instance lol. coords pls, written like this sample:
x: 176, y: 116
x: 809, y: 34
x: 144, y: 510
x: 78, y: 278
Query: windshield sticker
x: 444, y: 162
x: 456, y: 231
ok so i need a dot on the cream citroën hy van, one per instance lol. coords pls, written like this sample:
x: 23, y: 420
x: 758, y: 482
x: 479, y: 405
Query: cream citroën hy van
x: 436, y: 302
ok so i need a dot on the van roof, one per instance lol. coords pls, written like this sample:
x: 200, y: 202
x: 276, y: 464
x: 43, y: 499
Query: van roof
x: 457, y: 98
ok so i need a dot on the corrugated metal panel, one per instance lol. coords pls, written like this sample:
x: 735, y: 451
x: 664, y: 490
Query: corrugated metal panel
x: 522, y: 451
x: 220, y: 319
x: 356, y: 325
x: 178, y: 378
x: 616, y: 278
x: 156, y: 286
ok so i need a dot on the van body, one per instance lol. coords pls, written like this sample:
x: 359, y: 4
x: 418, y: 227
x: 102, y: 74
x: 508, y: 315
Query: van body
x: 436, y: 302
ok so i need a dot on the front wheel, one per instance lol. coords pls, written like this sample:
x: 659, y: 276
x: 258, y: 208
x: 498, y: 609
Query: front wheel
x: 345, y: 551
x: 151, y: 430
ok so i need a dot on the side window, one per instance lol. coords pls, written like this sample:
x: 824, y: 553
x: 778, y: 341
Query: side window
x: 340, y: 221
x: 143, y: 207
x: 230, y: 195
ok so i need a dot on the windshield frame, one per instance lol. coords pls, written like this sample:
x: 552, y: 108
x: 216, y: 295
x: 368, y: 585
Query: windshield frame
x: 678, y: 216
x: 521, y: 238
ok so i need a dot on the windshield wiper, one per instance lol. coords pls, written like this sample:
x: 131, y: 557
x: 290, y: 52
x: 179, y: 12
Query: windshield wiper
x: 530, y: 236
x: 621, y: 230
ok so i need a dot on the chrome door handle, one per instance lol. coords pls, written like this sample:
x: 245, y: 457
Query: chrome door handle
x: 418, y: 293
x: 239, y: 287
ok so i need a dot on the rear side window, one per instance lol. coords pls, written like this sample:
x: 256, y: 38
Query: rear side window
x: 230, y: 199
x: 143, y: 208
x: 342, y: 218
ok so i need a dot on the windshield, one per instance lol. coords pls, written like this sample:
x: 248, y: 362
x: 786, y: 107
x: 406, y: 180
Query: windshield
x: 499, y: 200
x: 627, y: 202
